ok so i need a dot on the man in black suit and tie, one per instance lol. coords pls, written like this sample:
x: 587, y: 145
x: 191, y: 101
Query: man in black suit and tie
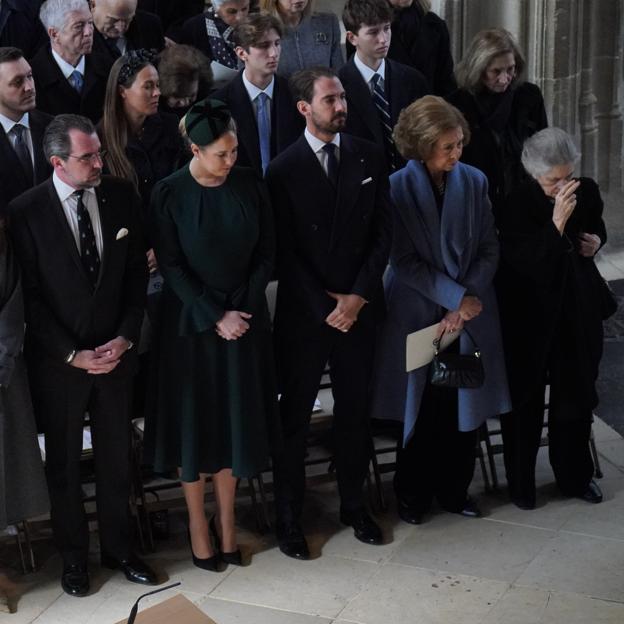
x: 84, y: 276
x: 378, y: 89
x: 119, y: 27
x: 69, y: 78
x: 330, y: 196
x: 21, y: 153
x: 259, y: 100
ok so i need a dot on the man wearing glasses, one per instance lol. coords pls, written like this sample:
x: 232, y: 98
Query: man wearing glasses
x: 84, y: 275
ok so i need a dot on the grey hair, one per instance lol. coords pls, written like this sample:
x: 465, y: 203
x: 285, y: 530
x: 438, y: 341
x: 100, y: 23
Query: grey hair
x: 53, y: 13
x: 217, y: 4
x: 483, y: 49
x: 548, y: 148
x: 56, y: 139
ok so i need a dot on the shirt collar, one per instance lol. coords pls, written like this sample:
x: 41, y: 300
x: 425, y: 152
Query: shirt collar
x: 8, y: 124
x: 63, y: 190
x: 254, y: 91
x: 366, y: 71
x: 66, y: 68
x: 316, y: 144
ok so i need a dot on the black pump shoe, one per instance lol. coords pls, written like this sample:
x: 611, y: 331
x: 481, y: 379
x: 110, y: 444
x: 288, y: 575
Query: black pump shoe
x: 209, y: 563
x: 233, y: 558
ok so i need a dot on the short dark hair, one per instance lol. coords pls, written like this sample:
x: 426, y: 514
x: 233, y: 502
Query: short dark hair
x: 9, y: 53
x: 56, y: 140
x: 356, y: 13
x: 302, y: 82
x: 250, y: 31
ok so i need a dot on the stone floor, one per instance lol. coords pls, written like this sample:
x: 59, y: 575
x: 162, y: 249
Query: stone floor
x: 561, y: 563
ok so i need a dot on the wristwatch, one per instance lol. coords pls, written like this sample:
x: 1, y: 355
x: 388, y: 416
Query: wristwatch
x: 70, y: 358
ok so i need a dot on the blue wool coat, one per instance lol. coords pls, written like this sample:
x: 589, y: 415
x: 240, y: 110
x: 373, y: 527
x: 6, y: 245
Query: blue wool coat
x: 435, y: 262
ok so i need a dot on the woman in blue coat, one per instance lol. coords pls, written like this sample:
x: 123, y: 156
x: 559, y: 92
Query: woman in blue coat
x: 443, y: 260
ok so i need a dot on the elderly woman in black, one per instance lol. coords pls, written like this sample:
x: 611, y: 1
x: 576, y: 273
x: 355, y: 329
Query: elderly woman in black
x: 501, y: 109
x: 551, y: 296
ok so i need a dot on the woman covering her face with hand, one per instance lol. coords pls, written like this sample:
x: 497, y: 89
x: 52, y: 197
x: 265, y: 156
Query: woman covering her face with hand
x: 216, y: 395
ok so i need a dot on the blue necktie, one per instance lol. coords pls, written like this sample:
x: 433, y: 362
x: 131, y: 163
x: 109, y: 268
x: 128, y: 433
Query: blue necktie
x: 332, y: 163
x: 383, y: 110
x: 264, y: 129
x: 76, y: 80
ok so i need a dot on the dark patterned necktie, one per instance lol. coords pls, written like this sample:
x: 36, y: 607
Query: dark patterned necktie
x: 383, y: 110
x: 88, y: 248
x: 76, y: 80
x: 332, y: 163
x: 22, y: 151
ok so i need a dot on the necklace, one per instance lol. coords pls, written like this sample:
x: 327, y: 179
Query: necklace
x: 441, y: 187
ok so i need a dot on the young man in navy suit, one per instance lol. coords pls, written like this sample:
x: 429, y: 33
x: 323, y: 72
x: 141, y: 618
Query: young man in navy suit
x: 377, y: 88
x: 330, y: 195
x: 258, y: 99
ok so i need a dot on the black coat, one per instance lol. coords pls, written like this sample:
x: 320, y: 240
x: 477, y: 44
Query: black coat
x: 145, y: 31
x: 63, y: 311
x: 56, y: 96
x: 326, y: 240
x: 403, y: 85
x: 173, y: 14
x: 20, y: 26
x: 13, y: 181
x: 497, y: 154
x: 193, y: 32
x: 286, y: 122
x: 544, y: 286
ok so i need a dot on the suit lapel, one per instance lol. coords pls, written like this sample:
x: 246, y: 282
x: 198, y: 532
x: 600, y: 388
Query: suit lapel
x: 243, y: 112
x: 11, y: 161
x: 108, y: 231
x: 361, y: 101
x: 350, y: 178
x: 51, y: 80
x: 37, y: 128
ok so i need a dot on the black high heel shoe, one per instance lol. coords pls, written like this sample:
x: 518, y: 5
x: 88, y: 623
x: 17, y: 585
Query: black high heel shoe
x: 210, y: 563
x: 233, y: 558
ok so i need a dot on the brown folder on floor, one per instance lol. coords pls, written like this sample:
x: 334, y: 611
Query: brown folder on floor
x: 178, y: 609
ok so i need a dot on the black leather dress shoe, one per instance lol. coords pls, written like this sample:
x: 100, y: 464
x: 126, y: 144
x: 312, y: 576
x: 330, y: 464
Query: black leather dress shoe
x: 523, y: 503
x: 292, y: 541
x: 75, y: 580
x: 409, y: 514
x: 364, y: 527
x: 593, y: 494
x: 136, y: 571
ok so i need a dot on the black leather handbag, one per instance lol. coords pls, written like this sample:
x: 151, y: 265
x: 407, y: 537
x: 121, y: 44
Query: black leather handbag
x: 456, y: 370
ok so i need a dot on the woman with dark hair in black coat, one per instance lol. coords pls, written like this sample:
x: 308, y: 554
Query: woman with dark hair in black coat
x: 501, y: 109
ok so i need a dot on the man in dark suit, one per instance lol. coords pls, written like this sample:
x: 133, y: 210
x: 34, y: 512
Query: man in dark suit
x: 20, y: 26
x: 69, y: 78
x: 330, y: 195
x: 260, y: 101
x: 119, y: 27
x: 377, y: 88
x: 84, y: 276
x: 22, y: 127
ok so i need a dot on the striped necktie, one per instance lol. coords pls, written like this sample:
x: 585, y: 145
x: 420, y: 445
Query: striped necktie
x: 383, y: 110
x: 88, y: 248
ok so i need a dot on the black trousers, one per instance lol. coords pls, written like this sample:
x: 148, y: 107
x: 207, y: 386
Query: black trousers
x: 62, y: 398
x: 439, y: 460
x: 301, y: 362
x: 569, y: 428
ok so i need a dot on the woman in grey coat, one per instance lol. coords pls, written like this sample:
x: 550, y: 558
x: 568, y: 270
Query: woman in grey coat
x: 443, y: 260
x: 310, y: 39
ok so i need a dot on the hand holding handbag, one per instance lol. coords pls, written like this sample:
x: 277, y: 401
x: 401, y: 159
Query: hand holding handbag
x: 456, y: 370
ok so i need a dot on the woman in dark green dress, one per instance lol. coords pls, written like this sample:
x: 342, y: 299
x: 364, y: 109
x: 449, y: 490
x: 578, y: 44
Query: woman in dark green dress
x: 216, y: 397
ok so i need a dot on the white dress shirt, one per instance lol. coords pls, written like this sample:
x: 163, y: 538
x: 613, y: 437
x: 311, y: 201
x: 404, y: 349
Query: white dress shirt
x: 317, y: 147
x: 368, y: 73
x: 70, y: 205
x: 254, y: 91
x: 67, y: 68
x: 7, y: 125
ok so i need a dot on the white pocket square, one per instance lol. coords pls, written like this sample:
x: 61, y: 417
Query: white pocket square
x: 123, y: 232
x: 366, y: 181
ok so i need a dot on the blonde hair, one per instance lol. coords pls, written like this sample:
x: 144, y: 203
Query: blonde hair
x: 483, y: 49
x: 422, y: 123
x: 271, y: 6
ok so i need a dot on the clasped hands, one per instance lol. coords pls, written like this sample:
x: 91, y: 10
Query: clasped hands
x: 102, y: 359
x: 469, y: 308
x: 346, y: 311
x: 233, y: 324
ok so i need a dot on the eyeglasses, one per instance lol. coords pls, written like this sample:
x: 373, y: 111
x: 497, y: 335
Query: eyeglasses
x: 87, y: 159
